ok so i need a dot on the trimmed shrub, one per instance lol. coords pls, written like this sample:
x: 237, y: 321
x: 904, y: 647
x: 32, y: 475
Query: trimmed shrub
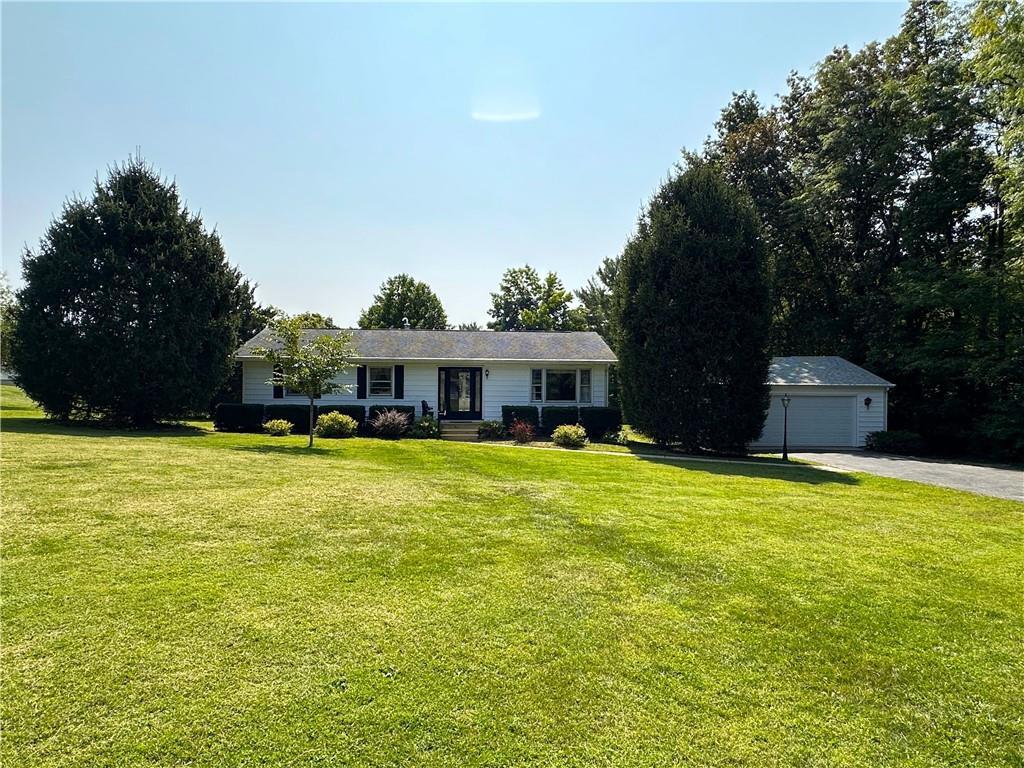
x: 427, y: 428
x: 599, y: 421
x: 522, y: 431
x: 376, y: 410
x: 491, y: 430
x: 569, y: 435
x: 277, y: 427
x: 895, y: 441
x: 238, y: 417
x: 528, y: 413
x: 297, y: 414
x: 335, y: 424
x: 390, y: 423
x: 554, y: 416
x: 356, y: 412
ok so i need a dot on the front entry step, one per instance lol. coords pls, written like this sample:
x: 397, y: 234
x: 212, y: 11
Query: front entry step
x: 460, y: 431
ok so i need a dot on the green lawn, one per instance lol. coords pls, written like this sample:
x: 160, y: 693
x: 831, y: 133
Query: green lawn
x: 191, y: 598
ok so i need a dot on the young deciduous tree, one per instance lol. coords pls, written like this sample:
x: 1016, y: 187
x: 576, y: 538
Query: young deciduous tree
x: 404, y: 302
x: 127, y: 312
x: 524, y: 302
x: 692, y: 316
x: 306, y: 362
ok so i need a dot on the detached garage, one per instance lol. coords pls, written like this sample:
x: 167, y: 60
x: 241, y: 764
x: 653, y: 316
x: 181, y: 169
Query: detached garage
x: 832, y: 403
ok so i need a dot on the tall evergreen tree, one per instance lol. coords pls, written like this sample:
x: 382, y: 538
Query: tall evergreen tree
x: 404, y: 302
x: 692, y: 316
x: 127, y: 310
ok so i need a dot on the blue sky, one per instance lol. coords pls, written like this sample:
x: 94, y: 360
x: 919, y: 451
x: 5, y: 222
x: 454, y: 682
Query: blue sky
x: 334, y: 145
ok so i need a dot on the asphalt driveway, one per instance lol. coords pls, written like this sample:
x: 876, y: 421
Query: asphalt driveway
x: 1003, y: 482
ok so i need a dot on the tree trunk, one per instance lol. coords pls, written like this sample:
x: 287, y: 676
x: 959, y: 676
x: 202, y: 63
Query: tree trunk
x: 310, y: 423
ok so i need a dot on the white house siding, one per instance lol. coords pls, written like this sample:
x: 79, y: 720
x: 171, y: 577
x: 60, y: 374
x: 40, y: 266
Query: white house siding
x: 815, y: 414
x: 506, y: 384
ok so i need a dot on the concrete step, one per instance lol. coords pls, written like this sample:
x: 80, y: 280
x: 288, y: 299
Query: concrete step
x: 460, y: 431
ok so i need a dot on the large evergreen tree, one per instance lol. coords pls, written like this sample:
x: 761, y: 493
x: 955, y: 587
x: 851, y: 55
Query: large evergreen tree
x: 404, y: 302
x: 692, y: 316
x: 127, y: 312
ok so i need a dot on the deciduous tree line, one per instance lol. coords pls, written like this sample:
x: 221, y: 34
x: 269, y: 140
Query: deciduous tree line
x: 875, y: 211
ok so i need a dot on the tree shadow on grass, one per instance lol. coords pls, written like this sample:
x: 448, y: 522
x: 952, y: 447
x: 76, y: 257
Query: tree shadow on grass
x: 768, y: 470
x: 38, y: 426
x: 287, y: 450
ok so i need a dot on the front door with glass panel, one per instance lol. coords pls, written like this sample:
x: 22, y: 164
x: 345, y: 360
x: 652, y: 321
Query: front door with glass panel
x: 458, y: 393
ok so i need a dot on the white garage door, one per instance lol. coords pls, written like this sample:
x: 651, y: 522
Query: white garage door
x: 814, y: 422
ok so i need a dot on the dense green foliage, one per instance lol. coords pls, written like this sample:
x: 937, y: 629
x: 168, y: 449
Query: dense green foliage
x: 691, y: 316
x: 336, y: 424
x: 128, y: 309
x: 238, y: 417
x: 235, y: 600
x: 528, y: 413
x: 297, y: 414
x: 425, y: 428
x: 600, y: 422
x: 252, y: 318
x: 306, y: 364
x: 525, y: 302
x: 313, y: 320
x: 491, y: 430
x: 896, y: 441
x: 404, y: 302
x: 552, y: 416
x: 883, y: 182
x: 569, y: 436
x: 278, y: 427
x: 8, y: 304
x: 997, y: 64
x: 596, y: 298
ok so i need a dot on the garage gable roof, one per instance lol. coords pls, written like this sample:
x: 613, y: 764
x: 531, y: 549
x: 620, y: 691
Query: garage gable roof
x: 413, y: 344
x: 827, y: 371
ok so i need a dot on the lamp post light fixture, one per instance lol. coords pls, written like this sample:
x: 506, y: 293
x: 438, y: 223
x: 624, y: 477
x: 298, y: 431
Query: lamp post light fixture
x: 786, y: 399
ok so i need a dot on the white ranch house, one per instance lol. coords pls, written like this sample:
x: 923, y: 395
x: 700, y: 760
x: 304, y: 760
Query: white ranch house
x: 461, y: 375
x: 470, y: 375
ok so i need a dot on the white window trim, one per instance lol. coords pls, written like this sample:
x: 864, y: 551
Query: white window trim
x: 579, y: 386
x: 544, y: 386
x: 369, y: 382
x: 531, y: 385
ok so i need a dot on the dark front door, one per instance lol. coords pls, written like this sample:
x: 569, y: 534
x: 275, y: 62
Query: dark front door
x: 458, y: 393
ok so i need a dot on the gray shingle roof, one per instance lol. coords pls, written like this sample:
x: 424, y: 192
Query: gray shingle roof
x: 577, y: 346
x: 823, y: 371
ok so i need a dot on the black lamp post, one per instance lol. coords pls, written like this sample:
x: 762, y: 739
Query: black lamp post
x: 785, y: 427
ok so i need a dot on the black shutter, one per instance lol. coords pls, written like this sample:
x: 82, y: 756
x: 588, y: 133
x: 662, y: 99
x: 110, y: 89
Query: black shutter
x: 360, y: 382
x: 399, y: 382
x: 278, y: 389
